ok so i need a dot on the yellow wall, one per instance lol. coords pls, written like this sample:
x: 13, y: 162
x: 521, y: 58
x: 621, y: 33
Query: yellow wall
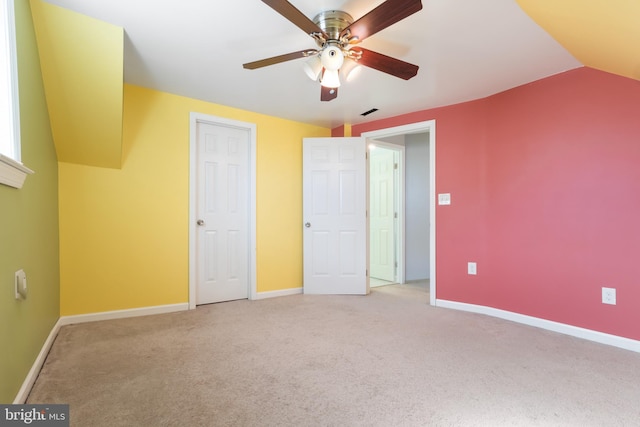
x: 124, y: 233
x: 602, y: 34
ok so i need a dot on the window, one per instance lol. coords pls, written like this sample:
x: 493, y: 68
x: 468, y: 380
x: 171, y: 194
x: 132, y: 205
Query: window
x: 12, y: 172
x: 9, y: 144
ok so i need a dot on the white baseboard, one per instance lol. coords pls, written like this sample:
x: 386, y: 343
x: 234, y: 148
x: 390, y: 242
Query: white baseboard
x: 28, y: 382
x: 281, y: 293
x: 587, y: 334
x: 122, y: 314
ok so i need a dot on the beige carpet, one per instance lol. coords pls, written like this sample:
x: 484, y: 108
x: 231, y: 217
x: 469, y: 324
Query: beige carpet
x: 387, y: 359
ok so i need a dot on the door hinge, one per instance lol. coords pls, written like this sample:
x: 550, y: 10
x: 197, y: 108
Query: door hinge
x: 395, y: 215
x: 395, y: 166
x: 366, y: 273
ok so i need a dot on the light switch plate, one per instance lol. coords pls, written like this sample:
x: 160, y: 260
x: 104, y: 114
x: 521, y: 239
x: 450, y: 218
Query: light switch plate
x: 444, y: 199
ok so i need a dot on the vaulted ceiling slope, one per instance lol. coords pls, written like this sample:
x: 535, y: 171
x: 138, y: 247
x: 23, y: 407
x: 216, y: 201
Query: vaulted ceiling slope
x: 465, y: 50
x: 602, y: 34
x: 83, y: 84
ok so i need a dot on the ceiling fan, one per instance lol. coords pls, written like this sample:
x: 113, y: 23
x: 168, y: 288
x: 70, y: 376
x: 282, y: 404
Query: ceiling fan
x: 336, y: 34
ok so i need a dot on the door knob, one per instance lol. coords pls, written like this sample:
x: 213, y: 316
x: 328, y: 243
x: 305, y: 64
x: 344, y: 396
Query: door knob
x: 307, y: 224
x: 200, y: 222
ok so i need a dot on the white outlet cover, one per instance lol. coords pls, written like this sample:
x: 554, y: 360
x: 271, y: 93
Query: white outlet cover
x: 472, y: 268
x: 444, y: 199
x: 609, y: 296
x: 21, y: 284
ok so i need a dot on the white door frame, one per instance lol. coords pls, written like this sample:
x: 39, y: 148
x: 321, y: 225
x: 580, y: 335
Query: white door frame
x: 421, y: 127
x: 399, y: 189
x: 194, y: 119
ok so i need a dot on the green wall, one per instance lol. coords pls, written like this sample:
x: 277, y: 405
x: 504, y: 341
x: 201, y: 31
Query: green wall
x: 29, y: 226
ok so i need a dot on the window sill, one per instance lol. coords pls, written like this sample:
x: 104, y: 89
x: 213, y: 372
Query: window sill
x: 12, y: 173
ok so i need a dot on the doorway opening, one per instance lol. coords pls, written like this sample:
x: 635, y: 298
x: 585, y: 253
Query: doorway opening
x: 415, y: 239
x: 386, y: 212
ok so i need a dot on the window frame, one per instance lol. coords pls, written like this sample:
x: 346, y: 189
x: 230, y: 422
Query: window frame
x: 12, y: 171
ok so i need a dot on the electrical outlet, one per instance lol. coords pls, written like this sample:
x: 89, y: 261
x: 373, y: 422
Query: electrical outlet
x: 609, y: 296
x: 471, y: 268
x: 21, y: 284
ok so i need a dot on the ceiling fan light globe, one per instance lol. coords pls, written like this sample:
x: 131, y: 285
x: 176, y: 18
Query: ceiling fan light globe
x: 330, y: 79
x: 350, y: 69
x: 353, y: 73
x: 313, y: 67
x: 332, y: 58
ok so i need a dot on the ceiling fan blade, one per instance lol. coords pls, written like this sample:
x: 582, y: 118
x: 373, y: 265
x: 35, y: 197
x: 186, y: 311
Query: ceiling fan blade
x: 327, y: 94
x: 383, y: 16
x: 275, y: 60
x: 387, y: 64
x: 299, y: 19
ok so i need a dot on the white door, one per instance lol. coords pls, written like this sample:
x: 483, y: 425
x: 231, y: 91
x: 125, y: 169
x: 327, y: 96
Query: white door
x: 382, y: 258
x: 223, y: 213
x: 334, y: 216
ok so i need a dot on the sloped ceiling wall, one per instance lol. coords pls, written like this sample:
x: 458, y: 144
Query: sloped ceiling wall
x: 82, y: 64
x: 602, y: 34
x: 82, y: 61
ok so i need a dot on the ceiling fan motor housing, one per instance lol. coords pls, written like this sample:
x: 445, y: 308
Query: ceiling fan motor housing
x: 332, y: 22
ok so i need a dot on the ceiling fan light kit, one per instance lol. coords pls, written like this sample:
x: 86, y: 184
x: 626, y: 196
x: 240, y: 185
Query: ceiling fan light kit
x: 326, y: 62
x: 313, y: 67
x: 349, y: 70
x: 335, y: 33
x: 332, y: 57
x: 330, y: 78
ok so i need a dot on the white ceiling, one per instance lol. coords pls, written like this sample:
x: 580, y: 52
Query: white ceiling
x: 466, y: 49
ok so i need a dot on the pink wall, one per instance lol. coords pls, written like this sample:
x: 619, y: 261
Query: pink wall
x: 545, y: 188
x: 337, y: 132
